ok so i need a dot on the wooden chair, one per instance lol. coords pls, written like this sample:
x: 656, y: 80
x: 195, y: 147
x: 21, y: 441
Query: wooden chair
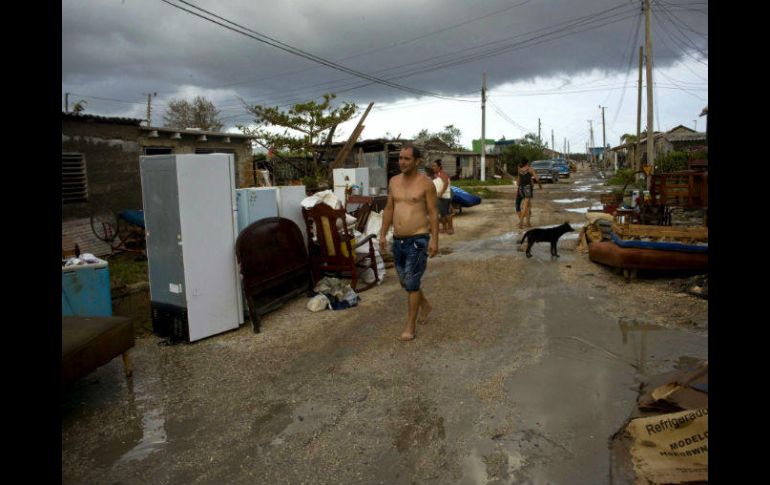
x: 332, y: 247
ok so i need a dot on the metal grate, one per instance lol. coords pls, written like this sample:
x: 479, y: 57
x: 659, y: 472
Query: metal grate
x: 74, y: 182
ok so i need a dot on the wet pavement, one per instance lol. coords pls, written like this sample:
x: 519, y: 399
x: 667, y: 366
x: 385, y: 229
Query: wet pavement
x: 524, y: 371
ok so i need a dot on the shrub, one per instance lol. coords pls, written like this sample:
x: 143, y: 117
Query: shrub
x: 672, y: 162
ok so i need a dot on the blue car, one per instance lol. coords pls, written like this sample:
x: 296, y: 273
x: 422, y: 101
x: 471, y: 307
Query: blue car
x: 563, y: 167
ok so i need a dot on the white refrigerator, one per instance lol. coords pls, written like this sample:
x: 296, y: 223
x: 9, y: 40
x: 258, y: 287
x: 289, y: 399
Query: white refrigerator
x: 344, y: 177
x: 290, y: 205
x: 255, y: 203
x: 191, y: 227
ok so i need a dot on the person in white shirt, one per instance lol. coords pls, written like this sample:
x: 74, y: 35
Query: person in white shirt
x: 443, y: 184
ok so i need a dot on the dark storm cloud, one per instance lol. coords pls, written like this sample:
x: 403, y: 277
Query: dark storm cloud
x: 121, y: 49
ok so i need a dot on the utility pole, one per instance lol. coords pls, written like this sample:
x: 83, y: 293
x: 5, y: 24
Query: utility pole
x: 66, y: 102
x: 604, y: 137
x: 564, y: 148
x: 553, y: 145
x: 483, y: 124
x: 648, y: 53
x: 539, y: 140
x: 149, y: 107
x: 638, y: 156
x: 695, y: 125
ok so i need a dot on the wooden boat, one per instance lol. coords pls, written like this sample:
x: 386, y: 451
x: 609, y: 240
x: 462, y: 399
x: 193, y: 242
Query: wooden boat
x: 631, y: 259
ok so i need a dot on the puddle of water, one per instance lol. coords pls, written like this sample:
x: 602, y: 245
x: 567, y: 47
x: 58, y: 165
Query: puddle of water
x: 570, y: 201
x: 583, y: 210
x: 153, y: 423
x: 639, y: 337
x: 586, y: 188
x: 492, y: 465
x: 153, y: 436
x: 305, y: 418
x: 474, y: 469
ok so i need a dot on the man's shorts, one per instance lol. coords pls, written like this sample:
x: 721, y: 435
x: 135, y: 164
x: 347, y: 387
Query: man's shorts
x: 410, y: 255
x: 525, y: 191
x: 443, y: 207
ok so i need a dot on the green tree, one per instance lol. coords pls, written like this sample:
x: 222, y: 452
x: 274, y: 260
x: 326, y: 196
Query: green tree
x: 530, y: 147
x: 450, y: 135
x: 79, y: 107
x: 298, y: 130
x: 200, y: 113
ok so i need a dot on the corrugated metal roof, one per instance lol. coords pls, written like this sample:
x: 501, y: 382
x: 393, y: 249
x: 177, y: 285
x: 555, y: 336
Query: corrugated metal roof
x: 188, y: 131
x: 101, y: 119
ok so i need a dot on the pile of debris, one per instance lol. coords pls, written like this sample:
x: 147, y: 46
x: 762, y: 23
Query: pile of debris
x: 666, y: 438
x: 697, y: 285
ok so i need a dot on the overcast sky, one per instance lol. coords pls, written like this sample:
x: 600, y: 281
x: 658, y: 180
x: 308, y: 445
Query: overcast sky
x: 420, y: 62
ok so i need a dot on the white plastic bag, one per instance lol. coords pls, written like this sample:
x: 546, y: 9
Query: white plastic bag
x: 318, y: 303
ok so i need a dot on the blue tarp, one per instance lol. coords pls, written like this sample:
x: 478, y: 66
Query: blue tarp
x: 135, y: 217
x: 665, y: 246
x: 463, y: 198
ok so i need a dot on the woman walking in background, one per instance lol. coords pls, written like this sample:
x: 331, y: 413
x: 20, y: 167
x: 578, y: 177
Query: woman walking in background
x: 524, y: 193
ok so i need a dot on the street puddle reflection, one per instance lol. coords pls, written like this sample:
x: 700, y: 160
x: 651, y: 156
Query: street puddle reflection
x: 153, y: 426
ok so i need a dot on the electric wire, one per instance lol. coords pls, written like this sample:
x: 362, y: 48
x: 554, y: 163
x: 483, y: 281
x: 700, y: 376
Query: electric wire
x: 594, y: 18
x: 632, y: 43
x: 293, y: 50
x: 393, y: 45
x: 683, y: 47
x: 687, y: 40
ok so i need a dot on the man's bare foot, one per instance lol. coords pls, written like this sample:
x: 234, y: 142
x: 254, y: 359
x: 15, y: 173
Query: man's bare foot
x: 425, y: 310
x: 406, y: 337
x: 450, y: 231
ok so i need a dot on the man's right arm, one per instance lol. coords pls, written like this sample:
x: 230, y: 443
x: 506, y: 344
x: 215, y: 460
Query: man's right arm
x: 387, y: 219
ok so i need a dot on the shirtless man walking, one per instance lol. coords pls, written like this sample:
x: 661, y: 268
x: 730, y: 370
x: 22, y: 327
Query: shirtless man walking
x: 411, y: 208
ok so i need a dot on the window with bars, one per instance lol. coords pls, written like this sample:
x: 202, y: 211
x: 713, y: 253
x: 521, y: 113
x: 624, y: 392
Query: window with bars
x: 74, y: 182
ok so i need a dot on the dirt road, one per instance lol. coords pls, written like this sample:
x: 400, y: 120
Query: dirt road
x: 523, y: 372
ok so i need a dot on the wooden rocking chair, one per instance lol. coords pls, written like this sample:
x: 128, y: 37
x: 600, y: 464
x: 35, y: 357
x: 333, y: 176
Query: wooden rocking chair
x: 332, y: 247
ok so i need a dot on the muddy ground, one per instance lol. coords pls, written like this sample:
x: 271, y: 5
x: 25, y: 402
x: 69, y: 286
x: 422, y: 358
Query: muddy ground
x: 523, y: 372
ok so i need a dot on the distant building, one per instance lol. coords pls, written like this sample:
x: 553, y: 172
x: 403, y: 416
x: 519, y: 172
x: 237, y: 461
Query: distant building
x: 679, y: 138
x: 100, y: 167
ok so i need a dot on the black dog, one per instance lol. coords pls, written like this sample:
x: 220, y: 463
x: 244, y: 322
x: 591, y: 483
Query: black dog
x: 552, y: 235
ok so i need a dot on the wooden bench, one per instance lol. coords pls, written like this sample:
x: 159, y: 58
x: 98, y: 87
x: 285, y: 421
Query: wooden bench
x: 90, y: 342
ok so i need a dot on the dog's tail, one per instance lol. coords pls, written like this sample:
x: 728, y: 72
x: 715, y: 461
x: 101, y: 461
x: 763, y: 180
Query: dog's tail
x: 524, y: 237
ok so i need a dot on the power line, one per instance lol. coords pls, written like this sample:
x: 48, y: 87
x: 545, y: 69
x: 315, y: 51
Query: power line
x: 294, y: 50
x: 684, y: 25
x: 504, y: 116
x: 683, y: 47
x: 676, y: 86
x: 112, y: 99
x: 631, y: 44
x: 687, y: 40
x: 594, y: 18
x: 391, y: 46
